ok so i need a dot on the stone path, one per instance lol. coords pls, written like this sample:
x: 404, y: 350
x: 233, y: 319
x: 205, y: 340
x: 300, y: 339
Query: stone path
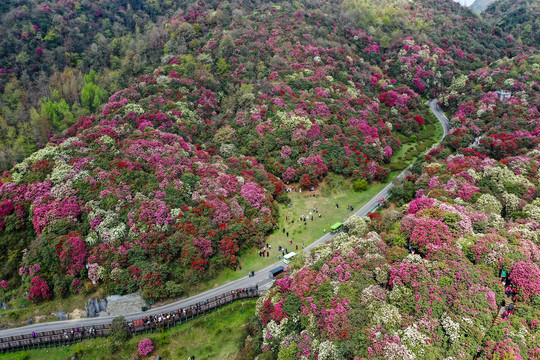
x: 119, y: 305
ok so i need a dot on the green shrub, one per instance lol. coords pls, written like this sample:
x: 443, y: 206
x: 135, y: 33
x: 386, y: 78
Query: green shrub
x: 173, y: 289
x: 292, y: 305
x: 118, y: 332
x: 397, y: 166
x: 360, y: 185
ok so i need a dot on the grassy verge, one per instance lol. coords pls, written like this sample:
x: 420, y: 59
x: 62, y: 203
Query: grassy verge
x: 22, y: 310
x: 411, y: 149
x: 218, y: 335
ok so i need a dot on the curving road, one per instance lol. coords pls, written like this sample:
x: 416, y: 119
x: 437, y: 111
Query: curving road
x: 261, y: 276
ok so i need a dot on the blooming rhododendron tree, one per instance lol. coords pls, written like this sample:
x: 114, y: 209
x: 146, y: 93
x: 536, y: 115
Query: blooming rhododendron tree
x: 253, y: 194
x: 39, y: 290
x: 73, y: 254
x: 526, y: 275
x: 145, y: 347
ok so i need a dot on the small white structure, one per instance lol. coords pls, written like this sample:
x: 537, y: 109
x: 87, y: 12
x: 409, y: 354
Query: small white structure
x: 503, y: 94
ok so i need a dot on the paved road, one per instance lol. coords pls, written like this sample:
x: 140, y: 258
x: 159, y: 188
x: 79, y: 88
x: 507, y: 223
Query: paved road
x: 437, y: 111
x: 261, y: 277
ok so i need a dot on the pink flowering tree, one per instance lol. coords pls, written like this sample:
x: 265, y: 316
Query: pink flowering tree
x: 253, y: 194
x: 289, y: 175
x: 420, y: 204
x: 73, y: 254
x: 526, y: 275
x: 93, y: 272
x: 145, y: 347
x: 429, y: 232
x: 505, y: 349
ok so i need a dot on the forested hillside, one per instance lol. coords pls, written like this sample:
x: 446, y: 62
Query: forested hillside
x: 49, y: 47
x: 423, y: 280
x: 519, y: 18
x: 155, y: 190
x: 147, y: 144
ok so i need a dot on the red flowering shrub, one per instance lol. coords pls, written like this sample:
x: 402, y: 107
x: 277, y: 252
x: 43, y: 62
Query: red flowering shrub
x: 39, y: 290
x: 152, y: 286
x: 73, y: 254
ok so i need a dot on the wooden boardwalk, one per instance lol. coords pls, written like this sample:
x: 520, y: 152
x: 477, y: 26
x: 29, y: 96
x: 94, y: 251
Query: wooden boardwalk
x: 143, y: 325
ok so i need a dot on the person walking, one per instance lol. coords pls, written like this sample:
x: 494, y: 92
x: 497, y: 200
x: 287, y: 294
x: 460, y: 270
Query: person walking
x: 287, y: 234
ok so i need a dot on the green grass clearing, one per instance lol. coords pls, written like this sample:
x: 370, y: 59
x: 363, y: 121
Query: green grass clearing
x: 411, y: 150
x: 335, y: 189
x: 218, y: 335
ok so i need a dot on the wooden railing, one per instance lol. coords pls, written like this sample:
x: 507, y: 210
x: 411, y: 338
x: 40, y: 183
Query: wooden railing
x: 146, y: 324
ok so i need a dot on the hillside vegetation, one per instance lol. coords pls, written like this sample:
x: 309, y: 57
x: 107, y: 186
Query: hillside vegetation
x: 423, y: 281
x: 519, y: 19
x: 149, y: 162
